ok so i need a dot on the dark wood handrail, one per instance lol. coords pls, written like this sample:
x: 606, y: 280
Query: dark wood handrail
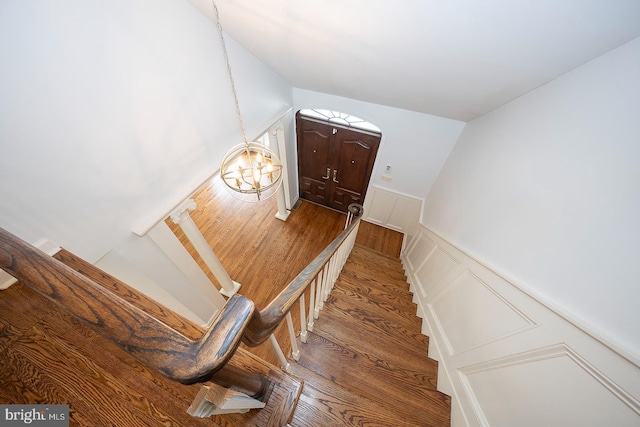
x: 151, y: 341
x: 265, y: 321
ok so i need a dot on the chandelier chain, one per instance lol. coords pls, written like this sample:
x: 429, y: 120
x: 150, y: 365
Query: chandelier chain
x: 233, y: 86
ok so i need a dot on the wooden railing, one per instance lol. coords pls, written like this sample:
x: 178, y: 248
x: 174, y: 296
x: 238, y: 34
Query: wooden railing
x: 319, y: 277
x: 180, y: 358
x: 149, y: 340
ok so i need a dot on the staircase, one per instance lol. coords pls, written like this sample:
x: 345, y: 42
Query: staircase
x: 365, y: 363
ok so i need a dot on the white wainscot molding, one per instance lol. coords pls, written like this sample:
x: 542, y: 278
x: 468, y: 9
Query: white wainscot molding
x: 391, y: 210
x: 507, y: 359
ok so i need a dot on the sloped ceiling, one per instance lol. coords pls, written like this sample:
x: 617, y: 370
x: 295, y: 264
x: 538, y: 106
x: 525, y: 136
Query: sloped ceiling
x: 458, y: 59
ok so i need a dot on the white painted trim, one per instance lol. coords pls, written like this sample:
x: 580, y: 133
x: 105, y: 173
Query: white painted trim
x: 145, y: 224
x: 162, y: 236
x: 282, y: 213
x: 483, y: 326
x: 397, y: 193
x: 277, y: 132
x: 284, y: 216
x: 47, y: 246
x: 213, y: 399
x: 274, y: 122
x: 117, y: 266
x: 391, y: 209
x: 182, y: 218
x: 6, y: 280
x: 552, y: 306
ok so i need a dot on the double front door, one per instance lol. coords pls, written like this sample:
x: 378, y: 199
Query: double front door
x: 334, y: 162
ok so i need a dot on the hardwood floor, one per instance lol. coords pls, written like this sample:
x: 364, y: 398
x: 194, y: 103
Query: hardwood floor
x: 48, y: 357
x: 259, y: 251
x: 365, y: 363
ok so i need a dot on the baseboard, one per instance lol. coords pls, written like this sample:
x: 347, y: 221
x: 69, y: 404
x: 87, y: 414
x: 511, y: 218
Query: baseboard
x: 445, y: 385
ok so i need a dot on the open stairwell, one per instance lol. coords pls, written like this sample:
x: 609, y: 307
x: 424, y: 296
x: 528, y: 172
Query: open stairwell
x: 364, y: 362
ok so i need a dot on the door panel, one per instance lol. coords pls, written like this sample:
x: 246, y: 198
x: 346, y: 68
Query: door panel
x: 334, y: 162
x: 355, y: 155
x: 342, y: 198
x: 313, y: 160
x: 314, y: 190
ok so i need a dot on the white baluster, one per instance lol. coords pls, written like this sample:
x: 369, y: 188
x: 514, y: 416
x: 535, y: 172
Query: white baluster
x: 331, y: 278
x: 312, y: 300
x: 320, y: 291
x: 284, y: 364
x: 303, y: 320
x: 295, y: 353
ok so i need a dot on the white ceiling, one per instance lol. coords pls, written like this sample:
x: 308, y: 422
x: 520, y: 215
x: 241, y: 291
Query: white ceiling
x: 452, y: 58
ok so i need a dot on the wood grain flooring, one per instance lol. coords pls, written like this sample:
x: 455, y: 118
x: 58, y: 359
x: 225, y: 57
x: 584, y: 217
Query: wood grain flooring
x: 366, y: 351
x: 259, y: 251
x: 365, y: 363
x: 49, y: 357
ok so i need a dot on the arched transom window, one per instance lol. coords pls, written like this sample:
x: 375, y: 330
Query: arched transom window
x: 341, y: 119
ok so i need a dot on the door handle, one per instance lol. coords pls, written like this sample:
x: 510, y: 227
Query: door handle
x: 335, y: 172
x: 328, y: 173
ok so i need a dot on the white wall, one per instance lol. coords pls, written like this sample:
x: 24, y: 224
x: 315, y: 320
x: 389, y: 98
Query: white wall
x: 546, y: 191
x: 505, y: 358
x: 416, y: 145
x: 113, y: 112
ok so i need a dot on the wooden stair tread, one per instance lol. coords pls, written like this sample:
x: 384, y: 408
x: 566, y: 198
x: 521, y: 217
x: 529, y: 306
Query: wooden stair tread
x: 324, y: 403
x: 361, y: 363
x: 367, y: 344
x: 377, y: 290
x: 374, y: 307
x: 403, y: 351
x: 377, y: 265
x: 380, y: 239
x: 361, y: 373
x: 382, y: 259
x: 380, y: 267
x: 375, y: 321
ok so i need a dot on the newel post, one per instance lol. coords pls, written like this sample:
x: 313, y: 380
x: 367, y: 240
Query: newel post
x: 182, y: 218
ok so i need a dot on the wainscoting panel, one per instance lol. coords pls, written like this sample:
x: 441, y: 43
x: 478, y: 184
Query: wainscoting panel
x: 421, y: 248
x: 390, y: 209
x: 558, y: 380
x: 505, y: 357
x: 439, y: 267
x: 461, y: 310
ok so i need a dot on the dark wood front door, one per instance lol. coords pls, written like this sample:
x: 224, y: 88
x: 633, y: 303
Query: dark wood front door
x: 334, y: 162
